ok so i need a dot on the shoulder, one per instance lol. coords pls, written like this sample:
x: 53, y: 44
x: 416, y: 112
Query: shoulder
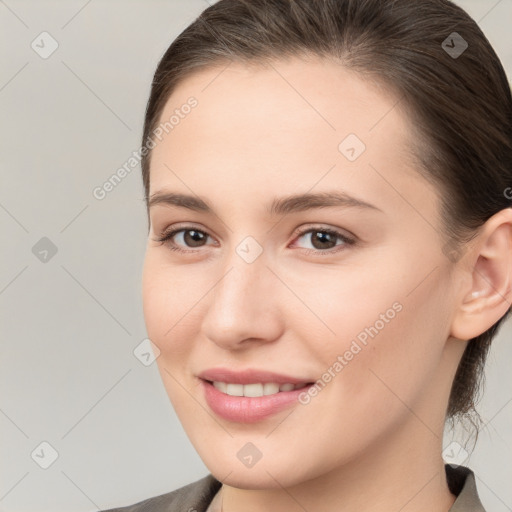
x: 194, y: 497
x: 461, y: 482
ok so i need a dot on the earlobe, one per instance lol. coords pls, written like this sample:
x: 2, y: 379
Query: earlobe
x: 490, y: 293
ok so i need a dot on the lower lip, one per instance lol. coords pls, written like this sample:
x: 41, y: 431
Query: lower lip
x: 244, y: 409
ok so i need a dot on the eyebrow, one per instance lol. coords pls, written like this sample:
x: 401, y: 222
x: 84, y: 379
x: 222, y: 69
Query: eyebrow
x: 279, y: 206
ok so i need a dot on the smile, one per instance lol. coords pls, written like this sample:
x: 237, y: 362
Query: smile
x: 250, y: 403
x: 256, y: 389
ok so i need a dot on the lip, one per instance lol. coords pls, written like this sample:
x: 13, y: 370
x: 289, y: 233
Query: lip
x: 249, y: 376
x: 244, y: 409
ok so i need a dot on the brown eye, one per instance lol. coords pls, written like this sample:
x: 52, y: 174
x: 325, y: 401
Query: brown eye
x: 193, y: 237
x: 323, y: 240
x: 186, y: 237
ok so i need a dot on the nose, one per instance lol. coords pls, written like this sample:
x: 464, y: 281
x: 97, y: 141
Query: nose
x: 244, y: 306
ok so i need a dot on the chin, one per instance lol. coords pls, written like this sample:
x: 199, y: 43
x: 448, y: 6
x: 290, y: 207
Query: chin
x: 274, y: 473
x: 248, y: 479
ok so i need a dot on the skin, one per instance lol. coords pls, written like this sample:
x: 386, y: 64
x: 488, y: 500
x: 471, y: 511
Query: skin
x: 372, y: 438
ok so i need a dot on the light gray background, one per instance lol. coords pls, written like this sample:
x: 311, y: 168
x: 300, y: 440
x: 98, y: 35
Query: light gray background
x: 69, y: 326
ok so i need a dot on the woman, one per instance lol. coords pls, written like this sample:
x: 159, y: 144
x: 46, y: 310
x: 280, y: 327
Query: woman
x: 329, y: 251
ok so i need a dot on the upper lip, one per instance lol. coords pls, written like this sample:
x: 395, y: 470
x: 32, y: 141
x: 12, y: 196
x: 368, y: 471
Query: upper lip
x: 248, y: 376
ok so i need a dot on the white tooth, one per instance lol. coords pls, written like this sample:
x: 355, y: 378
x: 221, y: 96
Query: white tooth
x: 235, y: 389
x: 270, y: 388
x: 253, y: 390
x: 221, y: 386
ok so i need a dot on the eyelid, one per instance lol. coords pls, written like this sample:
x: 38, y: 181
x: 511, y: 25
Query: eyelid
x: 317, y: 227
x: 170, y: 232
x: 347, y: 239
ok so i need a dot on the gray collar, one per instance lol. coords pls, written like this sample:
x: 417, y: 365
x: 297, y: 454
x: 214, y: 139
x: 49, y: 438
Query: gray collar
x: 199, y: 495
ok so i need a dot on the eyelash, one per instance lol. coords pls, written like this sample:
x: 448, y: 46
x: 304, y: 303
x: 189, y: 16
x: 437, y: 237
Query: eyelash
x: 167, y: 236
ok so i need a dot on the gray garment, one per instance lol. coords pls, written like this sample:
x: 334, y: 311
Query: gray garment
x: 197, y: 496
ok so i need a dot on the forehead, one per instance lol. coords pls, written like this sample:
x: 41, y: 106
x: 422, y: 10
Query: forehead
x: 316, y: 95
x: 283, y: 124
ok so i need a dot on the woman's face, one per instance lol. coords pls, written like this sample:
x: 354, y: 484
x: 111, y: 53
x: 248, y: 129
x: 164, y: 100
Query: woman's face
x: 257, y: 284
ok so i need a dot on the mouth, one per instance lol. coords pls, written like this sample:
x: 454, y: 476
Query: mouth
x: 257, y: 389
x: 252, y: 402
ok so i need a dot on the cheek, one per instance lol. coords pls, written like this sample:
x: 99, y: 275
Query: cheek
x: 171, y: 323
x: 389, y: 329
x: 170, y: 298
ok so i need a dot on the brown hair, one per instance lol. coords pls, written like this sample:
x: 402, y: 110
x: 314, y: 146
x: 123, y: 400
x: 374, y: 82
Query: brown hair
x: 461, y: 104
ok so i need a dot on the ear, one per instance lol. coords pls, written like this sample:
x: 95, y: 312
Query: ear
x: 488, y: 295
